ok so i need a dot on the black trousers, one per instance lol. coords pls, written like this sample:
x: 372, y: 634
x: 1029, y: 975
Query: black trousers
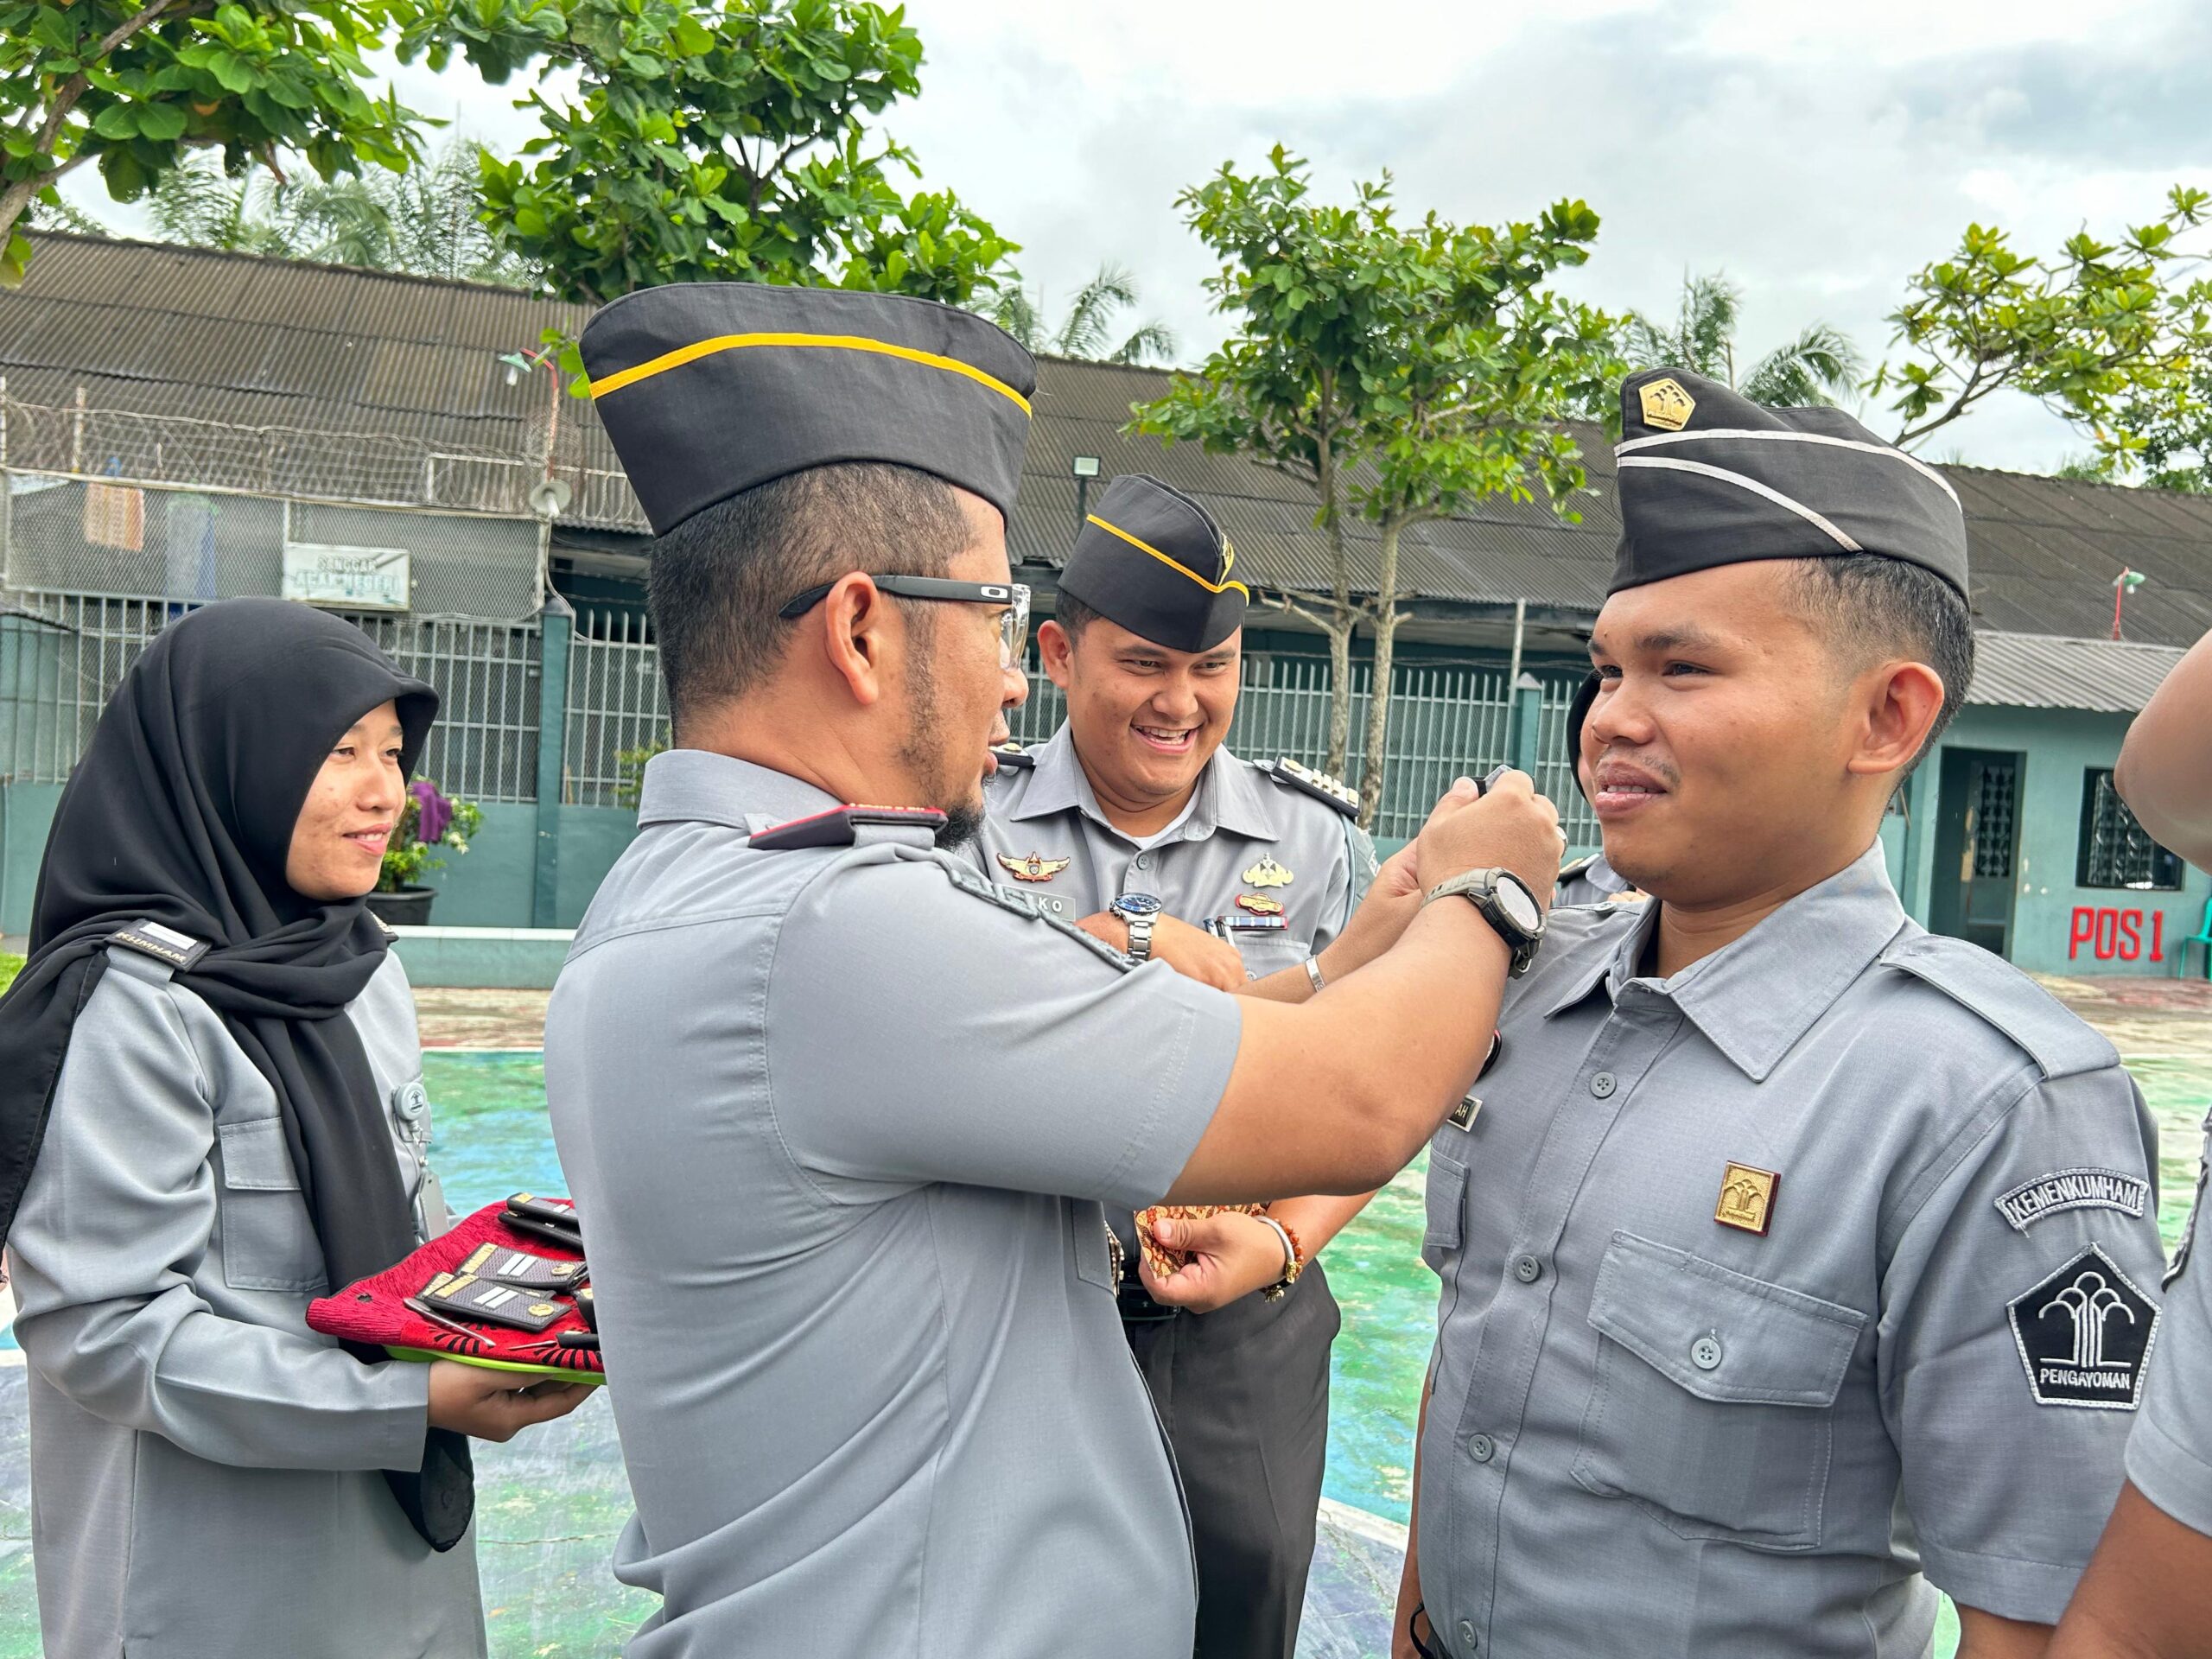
x: 1244, y: 1395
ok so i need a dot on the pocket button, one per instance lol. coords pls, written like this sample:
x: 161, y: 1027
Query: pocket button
x: 1528, y: 1269
x: 1467, y: 1634
x: 1705, y: 1353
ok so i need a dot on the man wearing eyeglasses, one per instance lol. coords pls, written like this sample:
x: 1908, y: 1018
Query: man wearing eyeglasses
x: 1134, y: 808
x: 855, y: 1282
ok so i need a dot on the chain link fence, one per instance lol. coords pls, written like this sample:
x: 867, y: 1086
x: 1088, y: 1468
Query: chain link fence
x: 78, y: 439
x: 83, y: 535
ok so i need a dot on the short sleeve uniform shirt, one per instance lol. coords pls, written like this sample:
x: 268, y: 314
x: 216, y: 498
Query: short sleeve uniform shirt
x: 852, y: 1266
x: 1830, y: 1262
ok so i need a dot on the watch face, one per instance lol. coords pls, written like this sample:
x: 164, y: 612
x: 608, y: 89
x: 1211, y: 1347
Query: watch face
x: 1137, y: 904
x: 1520, y: 908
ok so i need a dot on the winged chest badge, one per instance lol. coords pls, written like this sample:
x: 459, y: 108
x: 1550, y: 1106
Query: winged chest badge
x: 1035, y: 868
x: 1267, y: 873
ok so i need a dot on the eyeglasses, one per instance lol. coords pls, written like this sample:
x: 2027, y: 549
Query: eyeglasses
x: 1014, y: 620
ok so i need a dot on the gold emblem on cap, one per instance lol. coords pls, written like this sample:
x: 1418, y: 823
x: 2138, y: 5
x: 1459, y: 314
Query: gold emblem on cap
x: 1035, y: 868
x: 1267, y: 873
x: 1666, y: 406
x: 1747, y: 1198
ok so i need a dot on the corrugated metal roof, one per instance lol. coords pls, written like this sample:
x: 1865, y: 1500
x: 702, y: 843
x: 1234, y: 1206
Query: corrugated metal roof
x: 2029, y: 671
x: 232, y: 338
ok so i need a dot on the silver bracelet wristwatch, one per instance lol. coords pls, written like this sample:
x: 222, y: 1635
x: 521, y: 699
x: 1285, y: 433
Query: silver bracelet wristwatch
x: 1139, y: 910
x: 1504, y: 900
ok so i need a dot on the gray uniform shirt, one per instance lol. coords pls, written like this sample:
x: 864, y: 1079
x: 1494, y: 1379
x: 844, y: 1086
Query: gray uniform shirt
x: 2170, y: 1452
x: 204, y: 1467
x: 1594, y: 882
x: 1320, y: 860
x: 854, y: 1284
x: 1652, y: 1433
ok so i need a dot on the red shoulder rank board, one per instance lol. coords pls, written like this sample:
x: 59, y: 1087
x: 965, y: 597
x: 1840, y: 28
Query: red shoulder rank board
x: 840, y: 825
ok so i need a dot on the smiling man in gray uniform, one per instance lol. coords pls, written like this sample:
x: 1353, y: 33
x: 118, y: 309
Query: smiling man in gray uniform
x: 1135, y: 803
x: 1795, y: 1254
x: 855, y: 1286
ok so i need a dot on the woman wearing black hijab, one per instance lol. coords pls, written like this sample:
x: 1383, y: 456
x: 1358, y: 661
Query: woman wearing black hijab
x: 211, y: 1111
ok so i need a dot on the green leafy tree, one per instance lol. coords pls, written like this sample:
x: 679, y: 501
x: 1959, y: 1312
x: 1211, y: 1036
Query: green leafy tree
x: 1819, y: 366
x: 1088, y: 328
x: 2104, y: 335
x: 726, y: 141
x: 2173, y: 430
x: 135, y: 86
x: 1403, y: 371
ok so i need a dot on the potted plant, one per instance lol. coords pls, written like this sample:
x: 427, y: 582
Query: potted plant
x: 429, y: 820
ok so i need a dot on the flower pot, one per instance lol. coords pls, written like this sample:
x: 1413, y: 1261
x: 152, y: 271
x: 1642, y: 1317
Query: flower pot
x: 409, y: 907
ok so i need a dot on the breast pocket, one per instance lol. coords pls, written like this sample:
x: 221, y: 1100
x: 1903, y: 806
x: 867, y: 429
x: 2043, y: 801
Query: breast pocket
x: 1269, y: 953
x: 268, y: 1242
x: 1712, y: 1408
x: 1447, y: 1203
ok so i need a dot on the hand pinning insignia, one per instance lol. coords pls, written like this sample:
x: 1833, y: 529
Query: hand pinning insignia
x: 1035, y: 868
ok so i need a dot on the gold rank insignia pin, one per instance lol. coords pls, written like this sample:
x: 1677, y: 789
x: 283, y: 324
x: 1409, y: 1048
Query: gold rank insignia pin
x: 1035, y: 868
x: 1747, y: 1198
x: 1666, y: 406
x: 1267, y: 873
x: 1259, y: 903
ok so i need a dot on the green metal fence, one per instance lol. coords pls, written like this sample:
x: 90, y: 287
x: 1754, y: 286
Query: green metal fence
x: 61, y: 654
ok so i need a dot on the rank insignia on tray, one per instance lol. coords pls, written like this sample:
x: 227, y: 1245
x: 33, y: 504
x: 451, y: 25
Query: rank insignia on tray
x: 1747, y: 1198
x: 2085, y: 1335
x: 1035, y: 868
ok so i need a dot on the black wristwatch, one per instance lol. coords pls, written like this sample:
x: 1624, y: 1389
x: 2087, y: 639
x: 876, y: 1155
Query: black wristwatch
x: 1138, y: 910
x: 1504, y: 901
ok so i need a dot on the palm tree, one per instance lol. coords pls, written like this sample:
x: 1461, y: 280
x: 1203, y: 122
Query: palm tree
x: 1819, y: 366
x: 1089, y: 326
x: 424, y: 221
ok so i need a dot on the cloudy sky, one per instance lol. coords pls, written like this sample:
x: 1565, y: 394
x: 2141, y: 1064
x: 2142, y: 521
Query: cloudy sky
x: 1816, y: 154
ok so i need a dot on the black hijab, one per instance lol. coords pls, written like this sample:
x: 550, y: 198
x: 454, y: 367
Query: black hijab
x: 181, y: 812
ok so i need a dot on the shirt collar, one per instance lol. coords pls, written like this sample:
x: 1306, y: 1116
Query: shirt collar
x: 1755, y: 998
x: 1229, y: 794
x: 696, y: 786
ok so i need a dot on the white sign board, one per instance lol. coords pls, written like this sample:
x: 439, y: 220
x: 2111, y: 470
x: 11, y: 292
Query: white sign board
x: 348, y: 578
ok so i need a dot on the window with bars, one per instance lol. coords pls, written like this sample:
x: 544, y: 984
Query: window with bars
x: 2115, y: 850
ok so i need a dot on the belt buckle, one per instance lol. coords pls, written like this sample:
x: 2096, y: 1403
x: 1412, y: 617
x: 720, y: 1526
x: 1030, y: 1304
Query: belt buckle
x: 1136, y: 1306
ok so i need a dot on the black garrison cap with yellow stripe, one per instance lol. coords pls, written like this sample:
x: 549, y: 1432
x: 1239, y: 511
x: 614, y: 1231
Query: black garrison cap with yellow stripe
x: 1709, y: 478
x: 1153, y: 560
x: 709, y: 388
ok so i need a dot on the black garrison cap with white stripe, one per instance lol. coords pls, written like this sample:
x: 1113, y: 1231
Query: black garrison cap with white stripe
x: 1709, y: 478
x: 709, y: 388
x: 1153, y: 560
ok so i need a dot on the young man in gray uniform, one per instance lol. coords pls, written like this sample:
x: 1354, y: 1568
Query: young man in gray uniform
x: 1134, y: 804
x: 1795, y: 1254
x: 2148, y: 1592
x: 855, y: 1286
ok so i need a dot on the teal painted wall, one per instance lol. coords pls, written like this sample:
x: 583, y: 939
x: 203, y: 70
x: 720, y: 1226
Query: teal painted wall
x: 2059, y: 745
x: 490, y: 886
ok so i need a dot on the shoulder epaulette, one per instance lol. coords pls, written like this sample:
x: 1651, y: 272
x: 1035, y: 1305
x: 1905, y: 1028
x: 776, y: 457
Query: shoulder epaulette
x: 1296, y: 774
x: 1013, y: 756
x: 2058, y: 1041
x: 1578, y: 867
x: 180, y: 950
x: 841, y: 826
